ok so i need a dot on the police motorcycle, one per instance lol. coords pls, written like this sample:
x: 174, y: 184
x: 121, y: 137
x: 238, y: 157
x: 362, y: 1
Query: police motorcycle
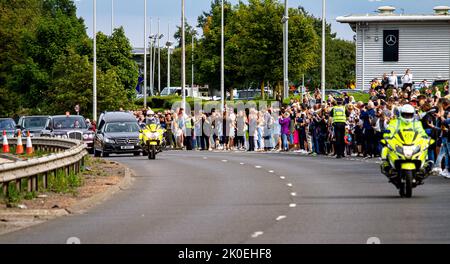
x: 152, y: 138
x: 405, y: 152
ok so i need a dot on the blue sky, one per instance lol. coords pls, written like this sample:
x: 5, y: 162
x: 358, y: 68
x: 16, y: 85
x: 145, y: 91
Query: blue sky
x: 130, y: 13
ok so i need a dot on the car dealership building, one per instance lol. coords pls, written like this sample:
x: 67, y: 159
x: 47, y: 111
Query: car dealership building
x: 388, y: 41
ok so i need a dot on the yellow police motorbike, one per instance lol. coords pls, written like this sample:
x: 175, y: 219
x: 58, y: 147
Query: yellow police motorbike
x: 152, y: 140
x: 405, y: 155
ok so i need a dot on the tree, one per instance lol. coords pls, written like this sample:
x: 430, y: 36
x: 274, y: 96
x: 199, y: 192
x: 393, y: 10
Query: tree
x: 71, y: 75
x: 46, y: 60
x: 340, y: 58
x: 115, y: 53
x: 254, y: 43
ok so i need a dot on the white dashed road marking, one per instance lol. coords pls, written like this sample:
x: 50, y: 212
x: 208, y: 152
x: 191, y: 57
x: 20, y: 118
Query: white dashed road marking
x: 292, y: 205
x: 281, y: 217
x: 258, y: 167
x: 224, y: 160
x: 242, y: 163
x: 293, y: 193
x: 282, y: 177
x: 289, y: 184
x: 271, y: 171
x: 257, y: 234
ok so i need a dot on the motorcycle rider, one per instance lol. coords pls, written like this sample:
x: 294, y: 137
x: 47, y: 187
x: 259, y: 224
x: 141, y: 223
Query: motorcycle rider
x: 406, y: 120
x: 151, y: 118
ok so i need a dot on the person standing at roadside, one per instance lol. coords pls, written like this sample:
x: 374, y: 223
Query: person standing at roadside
x: 407, y: 79
x: 339, y: 115
x: 285, y: 122
x: 392, y: 80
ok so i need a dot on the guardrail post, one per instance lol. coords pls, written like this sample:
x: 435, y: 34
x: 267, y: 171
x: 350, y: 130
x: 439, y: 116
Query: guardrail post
x: 33, y: 183
x: 5, y: 188
x: 18, y: 185
x: 29, y: 185
x: 44, y: 180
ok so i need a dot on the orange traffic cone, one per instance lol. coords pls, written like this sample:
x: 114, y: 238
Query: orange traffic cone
x: 19, y: 148
x: 29, y: 144
x: 5, y: 143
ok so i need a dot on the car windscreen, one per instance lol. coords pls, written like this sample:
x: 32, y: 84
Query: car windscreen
x: 122, y: 127
x: 7, y: 124
x: 34, y: 122
x: 75, y: 122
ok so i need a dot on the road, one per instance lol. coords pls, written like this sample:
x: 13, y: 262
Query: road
x: 204, y: 197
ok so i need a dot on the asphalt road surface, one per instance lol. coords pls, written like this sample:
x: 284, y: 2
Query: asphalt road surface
x: 204, y: 197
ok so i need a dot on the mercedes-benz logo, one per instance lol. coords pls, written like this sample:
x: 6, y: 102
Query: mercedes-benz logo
x: 391, y: 40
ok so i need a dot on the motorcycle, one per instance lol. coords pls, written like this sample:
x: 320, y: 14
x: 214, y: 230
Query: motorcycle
x: 152, y: 140
x: 404, y: 158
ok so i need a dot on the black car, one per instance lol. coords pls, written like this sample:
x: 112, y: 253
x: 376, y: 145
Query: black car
x: 8, y: 125
x: 70, y: 127
x: 117, y: 132
x: 33, y: 124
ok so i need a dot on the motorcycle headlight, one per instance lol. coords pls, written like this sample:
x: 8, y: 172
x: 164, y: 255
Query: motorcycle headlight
x: 408, y: 151
x: 151, y: 135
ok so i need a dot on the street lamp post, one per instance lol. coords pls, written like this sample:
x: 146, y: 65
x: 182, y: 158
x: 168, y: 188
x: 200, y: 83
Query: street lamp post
x: 159, y: 61
x: 112, y: 16
x: 168, y: 44
x: 286, y: 50
x: 94, y: 89
x: 194, y: 33
x: 145, y: 54
x: 183, y: 55
x: 154, y: 64
x: 323, y: 48
x: 151, y: 56
x: 222, y: 62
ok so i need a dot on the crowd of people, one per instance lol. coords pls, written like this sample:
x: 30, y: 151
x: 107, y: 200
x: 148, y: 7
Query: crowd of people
x: 311, y: 125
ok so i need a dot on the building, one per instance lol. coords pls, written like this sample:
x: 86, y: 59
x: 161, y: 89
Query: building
x: 388, y: 41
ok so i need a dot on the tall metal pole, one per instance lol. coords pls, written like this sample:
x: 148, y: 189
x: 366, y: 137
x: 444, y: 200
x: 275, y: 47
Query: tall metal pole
x: 112, y: 16
x: 151, y: 57
x: 192, y: 74
x: 159, y: 61
x: 222, y: 62
x: 183, y: 56
x: 323, y: 47
x: 286, y: 50
x: 145, y: 54
x: 154, y: 65
x: 168, y: 56
x: 94, y: 89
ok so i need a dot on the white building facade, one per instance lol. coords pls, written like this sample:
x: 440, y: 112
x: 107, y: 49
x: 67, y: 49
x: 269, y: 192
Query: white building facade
x: 388, y: 42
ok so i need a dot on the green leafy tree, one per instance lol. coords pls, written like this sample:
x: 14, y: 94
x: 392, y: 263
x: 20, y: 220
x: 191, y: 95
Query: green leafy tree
x: 115, y: 53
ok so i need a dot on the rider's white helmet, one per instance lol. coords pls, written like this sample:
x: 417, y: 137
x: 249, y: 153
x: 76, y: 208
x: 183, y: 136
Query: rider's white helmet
x: 407, y: 113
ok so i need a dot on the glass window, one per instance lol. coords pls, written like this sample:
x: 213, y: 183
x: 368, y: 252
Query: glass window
x: 122, y: 127
x: 75, y: 122
x: 7, y: 124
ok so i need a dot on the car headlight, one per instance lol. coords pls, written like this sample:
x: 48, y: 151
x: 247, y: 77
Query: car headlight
x: 91, y: 136
x: 85, y: 136
x: 108, y: 140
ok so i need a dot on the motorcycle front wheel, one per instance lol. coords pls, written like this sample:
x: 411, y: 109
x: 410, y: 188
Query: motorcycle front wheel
x: 406, y: 185
x: 152, y: 153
